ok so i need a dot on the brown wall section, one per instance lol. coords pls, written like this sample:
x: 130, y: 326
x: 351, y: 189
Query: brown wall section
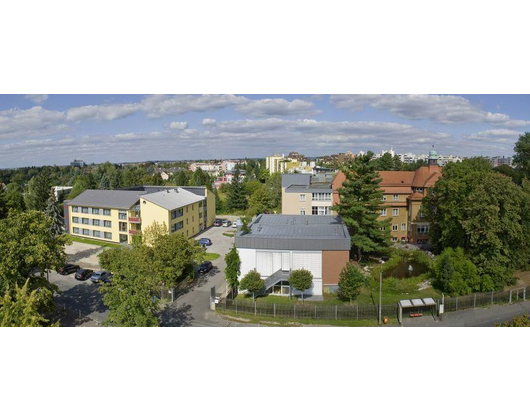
x: 332, y: 264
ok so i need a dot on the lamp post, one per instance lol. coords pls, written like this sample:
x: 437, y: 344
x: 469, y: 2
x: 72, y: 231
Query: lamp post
x: 383, y: 260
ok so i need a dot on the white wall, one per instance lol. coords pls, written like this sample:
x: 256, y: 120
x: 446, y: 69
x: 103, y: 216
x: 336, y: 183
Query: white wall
x: 313, y: 263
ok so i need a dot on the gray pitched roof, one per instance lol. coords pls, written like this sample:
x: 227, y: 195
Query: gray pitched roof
x: 295, y: 232
x: 115, y: 199
x: 172, y: 198
x: 295, y: 179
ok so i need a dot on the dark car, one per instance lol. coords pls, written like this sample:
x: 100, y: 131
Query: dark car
x: 100, y: 276
x: 68, y: 269
x: 83, y: 274
x: 205, y: 267
x: 218, y: 222
x: 227, y: 223
x: 205, y: 242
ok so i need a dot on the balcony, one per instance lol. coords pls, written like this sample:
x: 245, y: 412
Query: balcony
x: 135, y: 219
x: 134, y: 232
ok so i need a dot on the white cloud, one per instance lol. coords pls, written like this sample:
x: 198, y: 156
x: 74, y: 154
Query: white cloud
x: 178, y: 125
x: 37, y: 99
x: 498, y: 138
x: 446, y: 109
x: 36, y: 121
x: 276, y: 107
x: 102, y: 112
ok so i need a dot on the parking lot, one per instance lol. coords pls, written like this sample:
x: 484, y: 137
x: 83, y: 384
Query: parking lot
x: 82, y: 304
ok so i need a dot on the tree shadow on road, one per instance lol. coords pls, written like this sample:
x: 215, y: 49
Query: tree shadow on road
x: 86, y: 253
x: 76, y: 304
x: 176, y: 316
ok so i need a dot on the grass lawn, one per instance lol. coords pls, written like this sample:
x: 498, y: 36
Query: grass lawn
x: 289, y: 322
x: 93, y: 242
x: 367, y: 297
x: 229, y: 234
x: 211, y: 256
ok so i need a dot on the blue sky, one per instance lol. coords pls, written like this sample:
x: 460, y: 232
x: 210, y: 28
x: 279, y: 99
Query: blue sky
x: 55, y: 129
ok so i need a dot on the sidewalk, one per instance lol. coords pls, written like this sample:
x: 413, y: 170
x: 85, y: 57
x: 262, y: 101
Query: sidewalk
x: 477, y: 317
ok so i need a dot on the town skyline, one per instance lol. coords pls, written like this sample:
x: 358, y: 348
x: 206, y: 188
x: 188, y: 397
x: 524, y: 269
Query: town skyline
x: 39, y: 130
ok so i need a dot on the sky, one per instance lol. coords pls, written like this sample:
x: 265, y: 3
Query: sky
x: 43, y: 129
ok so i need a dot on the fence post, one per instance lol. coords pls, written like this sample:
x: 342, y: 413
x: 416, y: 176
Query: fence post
x: 510, y: 301
x: 315, y: 311
x: 336, y: 309
x: 474, y: 300
x: 456, y: 309
x: 492, y: 297
x: 294, y: 310
x: 255, y: 308
x: 274, y: 309
x: 357, y: 311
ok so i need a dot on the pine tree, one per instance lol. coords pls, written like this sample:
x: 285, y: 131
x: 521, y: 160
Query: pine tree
x: 54, y: 213
x: 38, y: 191
x: 237, y: 199
x: 361, y: 201
x: 104, y: 182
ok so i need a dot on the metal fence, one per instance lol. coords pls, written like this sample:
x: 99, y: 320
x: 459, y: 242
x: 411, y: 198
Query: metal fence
x: 308, y: 310
x: 365, y: 312
x: 484, y: 299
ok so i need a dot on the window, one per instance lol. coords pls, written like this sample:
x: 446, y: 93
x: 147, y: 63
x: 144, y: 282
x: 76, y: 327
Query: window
x: 192, y: 207
x: 394, y: 228
x: 321, y: 196
x: 403, y: 226
x: 395, y: 212
x: 417, y: 189
x: 96, y: 233
x: 75, y: 209
x: 84, y: 210
x: 95, y: 211
x: 75, y: 219
x: 123, y: 227
x: 302, y: 212
x: 192, y: 219
x: 383, y: 227
x: 383, y: 212
x: 106, y: 212
x: 95, y: 222
x: 76, y: 230
x: 108, y: 235
x: 86, y: 232
x: 302, y: 197
x: 200, y: 204
x: 177, y: 226
x: 107, y: 223
x: 122, y: 215
x: 396, y: 197
x: 394, y: 239
x: 320, y: 210
x: 85, y: 221
x: 423, y: 229
x: 420, y: 214
x: 186, y: 220
x: 176, y: 213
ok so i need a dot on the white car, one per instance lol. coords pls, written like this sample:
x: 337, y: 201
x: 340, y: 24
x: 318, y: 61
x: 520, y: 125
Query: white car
x: 234, y: 225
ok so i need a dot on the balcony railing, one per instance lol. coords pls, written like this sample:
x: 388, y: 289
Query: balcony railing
x: 135, y: 219
x: 133, y: 232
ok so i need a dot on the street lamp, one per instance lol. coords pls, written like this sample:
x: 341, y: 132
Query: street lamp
x: 383, y: 260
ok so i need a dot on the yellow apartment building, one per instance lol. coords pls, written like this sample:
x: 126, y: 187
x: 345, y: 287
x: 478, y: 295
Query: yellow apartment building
x: 117, y: 215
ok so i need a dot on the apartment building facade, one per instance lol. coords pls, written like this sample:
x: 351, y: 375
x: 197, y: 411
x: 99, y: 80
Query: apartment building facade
x: 118, y: 215
x: 403, y: 192
x: 305, y: 194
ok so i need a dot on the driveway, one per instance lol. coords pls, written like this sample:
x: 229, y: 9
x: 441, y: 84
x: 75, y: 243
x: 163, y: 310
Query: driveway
x: 192, y: 309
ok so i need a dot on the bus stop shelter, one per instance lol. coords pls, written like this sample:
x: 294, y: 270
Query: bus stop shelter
x: 416, y: 308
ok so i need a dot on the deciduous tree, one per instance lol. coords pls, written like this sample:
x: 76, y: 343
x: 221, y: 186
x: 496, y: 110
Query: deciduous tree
x: 351, y: 280
x: 21, y: 309
x: 252, y: 283
x: 301, y: 280
x: 233, y: 267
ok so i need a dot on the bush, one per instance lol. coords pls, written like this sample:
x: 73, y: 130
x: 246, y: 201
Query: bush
x: 456, y: 274
x: 251, y: 282
x: 350, y: 282
x: 301, y: 280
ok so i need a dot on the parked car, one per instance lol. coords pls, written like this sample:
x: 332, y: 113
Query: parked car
x: 83, y: 274
x: 227, y: 223
x: 68, y: 269
x: 218, y: 222
x: 205, y: 267
x: 99, y: 276
x: 205, y: 242
x: 234, y: 225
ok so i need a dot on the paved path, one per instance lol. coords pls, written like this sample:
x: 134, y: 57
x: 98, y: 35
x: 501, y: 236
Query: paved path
x: 192, y: 309
x: 478, y: 317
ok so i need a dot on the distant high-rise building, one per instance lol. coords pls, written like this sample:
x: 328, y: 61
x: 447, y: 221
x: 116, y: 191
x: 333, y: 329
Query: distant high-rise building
x: 78, y: 163
x: 501, y: 160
